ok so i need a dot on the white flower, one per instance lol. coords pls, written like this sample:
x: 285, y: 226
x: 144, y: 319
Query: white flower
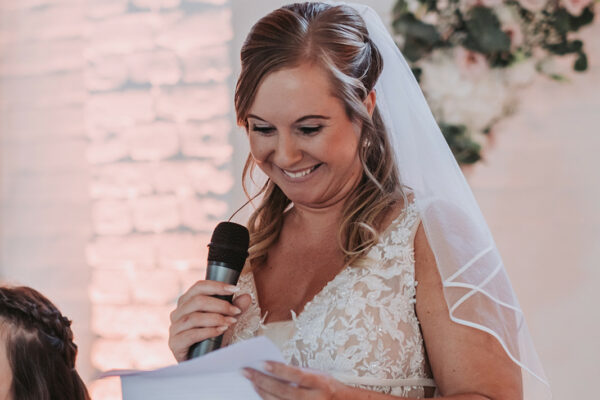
x: 521, y: 73
x: 471, y: 63
x: 511, y: 24
x: 456, y: 97
x: 575, y: 7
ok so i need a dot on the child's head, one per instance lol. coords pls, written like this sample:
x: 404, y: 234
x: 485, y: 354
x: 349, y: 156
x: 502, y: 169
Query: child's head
x: 37, y: 353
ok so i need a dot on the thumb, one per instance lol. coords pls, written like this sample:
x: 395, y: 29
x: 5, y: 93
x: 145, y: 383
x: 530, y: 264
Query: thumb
x: 243, y: 302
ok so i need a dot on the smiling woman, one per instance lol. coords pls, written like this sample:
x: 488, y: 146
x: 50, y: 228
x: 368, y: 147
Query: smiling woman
x: 383, y: 288
x: 292, y: 140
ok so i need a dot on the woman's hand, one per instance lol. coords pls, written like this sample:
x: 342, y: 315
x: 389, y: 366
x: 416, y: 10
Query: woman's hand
x: 199, y: 316
x: 294, y: 383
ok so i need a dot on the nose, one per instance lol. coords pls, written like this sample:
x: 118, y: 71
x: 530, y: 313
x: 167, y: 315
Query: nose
x: 287, y: 152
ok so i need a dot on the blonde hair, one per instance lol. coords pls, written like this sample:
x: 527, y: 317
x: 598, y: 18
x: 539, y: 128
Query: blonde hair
x: 336, y: 39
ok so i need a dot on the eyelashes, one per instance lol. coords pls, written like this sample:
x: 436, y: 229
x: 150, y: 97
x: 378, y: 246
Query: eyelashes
x: 306, y: 130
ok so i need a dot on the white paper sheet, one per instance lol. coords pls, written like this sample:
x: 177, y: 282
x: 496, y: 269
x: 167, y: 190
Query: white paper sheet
x: 214, y: 376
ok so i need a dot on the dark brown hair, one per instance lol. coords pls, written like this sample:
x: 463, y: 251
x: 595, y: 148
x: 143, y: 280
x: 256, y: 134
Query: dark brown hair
x: 336, y: 39
x: 39, y: 346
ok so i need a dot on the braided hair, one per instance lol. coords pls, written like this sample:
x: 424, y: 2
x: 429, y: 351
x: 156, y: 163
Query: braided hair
x: 39, y: 347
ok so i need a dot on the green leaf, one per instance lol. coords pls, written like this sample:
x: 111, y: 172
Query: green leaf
x: 565, y: 47
x: 400, y: 8
x: 581, y: 64
x: 560, y: 21
x: 586, y: 17
x: 420, y: 38
x: 484, y: 32
x: 417, y: 72
x: 465, y: 150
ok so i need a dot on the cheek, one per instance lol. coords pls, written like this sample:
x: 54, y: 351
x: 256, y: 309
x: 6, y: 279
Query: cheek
x: 259, y: 148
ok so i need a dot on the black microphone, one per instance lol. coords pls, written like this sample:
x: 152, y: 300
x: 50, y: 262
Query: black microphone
x: 227, y: 253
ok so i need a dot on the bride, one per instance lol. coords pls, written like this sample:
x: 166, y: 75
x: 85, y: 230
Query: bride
x: 370, y: 264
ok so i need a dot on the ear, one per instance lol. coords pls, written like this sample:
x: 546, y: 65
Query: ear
x: 369, y: 102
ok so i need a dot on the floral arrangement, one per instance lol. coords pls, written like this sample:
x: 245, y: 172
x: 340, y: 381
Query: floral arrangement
x: 470, y: 56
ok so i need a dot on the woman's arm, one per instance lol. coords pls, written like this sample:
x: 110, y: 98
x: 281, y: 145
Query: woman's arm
x: 464, y: 360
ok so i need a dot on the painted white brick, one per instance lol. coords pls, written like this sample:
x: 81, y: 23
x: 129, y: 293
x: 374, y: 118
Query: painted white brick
x: 207, y: 140
x: 107, y: 36
x: 122, y: 180
x: 203, y: 214
x: 157, y: 287
x: 110, y: 286
x: 108, y: 150
x: 127, y: 250
x: 155, y: 213
x: 207, y: 179
x: 111, y: 217
x: 206, y: 64
x: 177, y: 249
x: 98, y: 9
x: 159, y: 67
x: 134, y: 321
x: 153, y: 142
x: 156, y: 4
x: 113, y: 111
x: 106, y: 73
x: 182, y: 103
x: 209, y: 29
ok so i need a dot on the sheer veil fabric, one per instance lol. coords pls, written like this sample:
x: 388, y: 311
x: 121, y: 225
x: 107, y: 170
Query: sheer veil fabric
x: 476, y: 286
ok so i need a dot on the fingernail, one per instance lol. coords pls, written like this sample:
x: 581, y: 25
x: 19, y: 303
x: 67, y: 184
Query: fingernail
x: 236, y: 311
x: 231, y: 289
x: 246, y: 373
x: 267, y: 366
x: 222, y: 328
x: 231, y: 320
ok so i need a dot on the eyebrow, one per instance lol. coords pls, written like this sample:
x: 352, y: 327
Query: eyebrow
x: 311, y: 116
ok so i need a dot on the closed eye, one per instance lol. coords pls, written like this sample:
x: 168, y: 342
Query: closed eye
x: 263, y: 129
x: 307, y: 130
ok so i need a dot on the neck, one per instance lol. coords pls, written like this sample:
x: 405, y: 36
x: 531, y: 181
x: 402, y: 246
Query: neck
x: 317, y: 221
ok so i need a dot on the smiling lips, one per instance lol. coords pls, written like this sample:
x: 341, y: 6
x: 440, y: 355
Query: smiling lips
x: 302, y: 173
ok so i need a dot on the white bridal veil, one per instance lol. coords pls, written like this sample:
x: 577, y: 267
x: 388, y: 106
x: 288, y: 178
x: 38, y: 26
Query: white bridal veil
x: 476, y: 286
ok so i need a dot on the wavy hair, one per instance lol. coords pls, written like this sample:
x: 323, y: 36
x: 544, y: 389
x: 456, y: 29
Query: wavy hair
x: 336, y: 39
x: 39, y: 347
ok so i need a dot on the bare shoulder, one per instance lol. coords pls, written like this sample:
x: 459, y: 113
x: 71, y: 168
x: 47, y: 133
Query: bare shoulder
x: 398, y: 206
x: 463, y: 359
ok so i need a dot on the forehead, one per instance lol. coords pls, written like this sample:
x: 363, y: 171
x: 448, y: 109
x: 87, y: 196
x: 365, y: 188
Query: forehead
x: 293, y: 92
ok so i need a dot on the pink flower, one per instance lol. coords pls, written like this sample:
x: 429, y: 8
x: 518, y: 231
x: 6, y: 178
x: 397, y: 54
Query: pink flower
x: 470, y: 63
x: 533, y: 5
x: 575, y: 7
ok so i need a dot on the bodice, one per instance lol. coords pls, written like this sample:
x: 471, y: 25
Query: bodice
x: 362, y: 327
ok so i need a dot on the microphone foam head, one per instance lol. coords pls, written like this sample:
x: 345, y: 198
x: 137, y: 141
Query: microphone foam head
x: 229, y: 244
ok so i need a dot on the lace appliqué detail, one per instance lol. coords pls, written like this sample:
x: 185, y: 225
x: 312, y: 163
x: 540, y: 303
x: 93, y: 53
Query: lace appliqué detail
x: 362, y: 327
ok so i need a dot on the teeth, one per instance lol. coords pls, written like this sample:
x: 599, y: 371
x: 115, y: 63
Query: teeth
x: 299, y: 174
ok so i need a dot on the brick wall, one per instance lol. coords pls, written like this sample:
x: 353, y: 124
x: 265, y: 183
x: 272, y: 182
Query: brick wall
x: 116, y: 162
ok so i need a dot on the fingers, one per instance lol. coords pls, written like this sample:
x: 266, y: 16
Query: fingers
x: 269, y: 387
x: 204, y: 303
x: 207, y: 287
x: 200, y: 320
x: 200, y: 316
x: 181, y: 342
x: 243, y: 302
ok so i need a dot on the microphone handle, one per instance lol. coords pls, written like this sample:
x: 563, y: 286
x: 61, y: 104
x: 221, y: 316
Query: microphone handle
x: 222, y: 272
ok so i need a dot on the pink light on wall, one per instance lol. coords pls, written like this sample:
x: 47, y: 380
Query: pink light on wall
x: 157, y: 119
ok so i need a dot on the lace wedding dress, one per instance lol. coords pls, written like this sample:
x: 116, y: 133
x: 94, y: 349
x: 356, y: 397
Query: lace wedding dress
x: 362, y: 327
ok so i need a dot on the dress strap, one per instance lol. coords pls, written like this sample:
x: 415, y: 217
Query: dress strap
x: 369, y: 381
